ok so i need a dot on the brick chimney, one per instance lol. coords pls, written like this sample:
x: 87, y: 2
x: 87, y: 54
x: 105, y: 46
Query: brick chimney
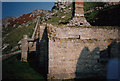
x: 78, y: 15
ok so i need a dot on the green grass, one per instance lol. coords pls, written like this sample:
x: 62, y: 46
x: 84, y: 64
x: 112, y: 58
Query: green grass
x: 16, y: 35
x: 57, y: 17
x: 87, y: 6
x: 8, y: 30
x: 13, y: 68
x: 92, y: 5
x: 106, y: 17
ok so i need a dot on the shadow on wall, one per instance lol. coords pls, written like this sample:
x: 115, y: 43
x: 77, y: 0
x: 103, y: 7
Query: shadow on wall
x: 73, y: 10
x: 111, y: 52
x: 39, y: 59
x: 87, y: 63
x: 92, y: 64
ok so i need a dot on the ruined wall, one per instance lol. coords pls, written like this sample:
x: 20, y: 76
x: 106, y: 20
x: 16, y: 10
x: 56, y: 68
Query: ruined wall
x: 74, y: 52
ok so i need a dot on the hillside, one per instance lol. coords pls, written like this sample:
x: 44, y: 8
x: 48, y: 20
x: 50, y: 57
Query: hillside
x: 68, y: 49
x: 102, y: 14
x: 14, y: 69
x: 14, y: 28
x: 97, y: 14
x: 61, y: 15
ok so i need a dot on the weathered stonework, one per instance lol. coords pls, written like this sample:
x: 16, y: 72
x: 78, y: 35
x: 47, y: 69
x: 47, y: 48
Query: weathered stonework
x: 66, y: 52
x: 74, y: 52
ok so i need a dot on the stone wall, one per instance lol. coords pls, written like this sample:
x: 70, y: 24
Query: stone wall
x: 74, y: 52
x: 87, y: 32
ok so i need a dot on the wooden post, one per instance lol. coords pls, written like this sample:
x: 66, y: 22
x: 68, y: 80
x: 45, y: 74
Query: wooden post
x: 24, y: 48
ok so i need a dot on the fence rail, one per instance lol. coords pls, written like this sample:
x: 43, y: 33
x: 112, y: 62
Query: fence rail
x: 33, y: 35
x: 26, y: 44
x: 5, y: 56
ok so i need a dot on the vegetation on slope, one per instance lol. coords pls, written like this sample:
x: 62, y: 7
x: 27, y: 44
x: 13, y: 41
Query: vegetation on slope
x: 7, y: 30
x: 56, y: 18
x: 109, y: 16
x: 13, y: 68
x: 15, y: 35
x: 91, y: 5
x: 105, y: 17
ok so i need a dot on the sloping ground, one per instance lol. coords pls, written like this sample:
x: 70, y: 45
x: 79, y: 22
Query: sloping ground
x: 62, y: 16
x: 108, y: 16
x: 25, y: 18
x: 14, y: 29
x: 16, y: 70
x: 90, y: 5
x: 15, y: 35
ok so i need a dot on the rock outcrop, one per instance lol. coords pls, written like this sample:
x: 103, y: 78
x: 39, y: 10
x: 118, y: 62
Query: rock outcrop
x: 24, y: 18
x: 6, y: 21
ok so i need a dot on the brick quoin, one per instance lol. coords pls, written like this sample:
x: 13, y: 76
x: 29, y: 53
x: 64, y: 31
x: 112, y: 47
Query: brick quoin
x: 78, y: 2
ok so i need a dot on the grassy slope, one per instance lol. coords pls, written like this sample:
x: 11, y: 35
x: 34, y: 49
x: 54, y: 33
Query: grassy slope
x: 91, y: 5
x: 7, y: 30
x: 13, y: 68
x: 15, y: 35
x: 57, y: 17
x: 109, y: 16
x: 106, y: 17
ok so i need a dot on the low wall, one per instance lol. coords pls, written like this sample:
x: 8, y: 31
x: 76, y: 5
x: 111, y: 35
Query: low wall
x: 74, y: 52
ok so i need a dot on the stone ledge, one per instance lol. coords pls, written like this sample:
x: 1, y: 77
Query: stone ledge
x: 84, y: 26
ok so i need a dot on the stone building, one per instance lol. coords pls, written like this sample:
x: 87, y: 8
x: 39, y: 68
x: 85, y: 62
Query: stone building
x: 81, y: 52
x: 68, y: 52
